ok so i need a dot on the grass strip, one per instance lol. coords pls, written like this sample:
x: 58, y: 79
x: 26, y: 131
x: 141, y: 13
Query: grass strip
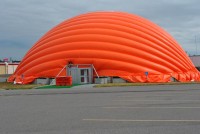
x: 11, y: 86
x: 54, y: 86
x: 142, y: 84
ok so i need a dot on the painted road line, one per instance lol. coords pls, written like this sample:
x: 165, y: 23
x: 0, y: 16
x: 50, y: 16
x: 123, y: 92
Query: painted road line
x: 156, y: 96
x: 157, y: 100
x: 151, y: 107
x: 124, y: 120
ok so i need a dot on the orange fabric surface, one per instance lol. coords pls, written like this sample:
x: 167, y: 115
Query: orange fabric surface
x: 116, y: 43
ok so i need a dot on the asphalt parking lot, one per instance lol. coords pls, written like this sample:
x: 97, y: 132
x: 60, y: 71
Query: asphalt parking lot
x: 161, y: 109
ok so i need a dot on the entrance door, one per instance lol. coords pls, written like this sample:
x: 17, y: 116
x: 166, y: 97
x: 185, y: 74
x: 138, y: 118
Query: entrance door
x: 84, y: 76
x: 73, y: 71
x: 81, y: 73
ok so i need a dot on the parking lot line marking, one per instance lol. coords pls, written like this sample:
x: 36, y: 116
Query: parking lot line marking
x: 156, y: 100
x: 124, y: 120
x: 157, y: 96
x: 152, y: 107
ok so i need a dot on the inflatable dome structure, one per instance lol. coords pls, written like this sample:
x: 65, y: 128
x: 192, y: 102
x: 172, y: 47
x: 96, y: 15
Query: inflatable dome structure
x: 114, y: 43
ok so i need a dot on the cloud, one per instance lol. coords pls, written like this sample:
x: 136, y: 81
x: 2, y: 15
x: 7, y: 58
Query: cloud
x: 24, y: 22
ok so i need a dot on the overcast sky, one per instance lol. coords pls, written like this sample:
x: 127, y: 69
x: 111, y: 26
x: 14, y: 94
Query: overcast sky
x: 23, y: 22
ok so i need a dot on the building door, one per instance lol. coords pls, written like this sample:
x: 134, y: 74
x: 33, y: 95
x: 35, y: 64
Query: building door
x: 84, y: 76
x: 81, y: 73
x: 73, y: 71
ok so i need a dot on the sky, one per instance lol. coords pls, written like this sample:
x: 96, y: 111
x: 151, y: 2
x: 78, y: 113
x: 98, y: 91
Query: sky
x: 23, y: 22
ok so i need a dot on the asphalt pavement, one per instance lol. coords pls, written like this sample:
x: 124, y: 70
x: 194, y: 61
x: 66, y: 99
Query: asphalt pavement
x: 155, y: 109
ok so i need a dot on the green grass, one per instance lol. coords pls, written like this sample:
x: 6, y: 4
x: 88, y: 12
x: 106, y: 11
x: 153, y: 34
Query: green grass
x: 11, y: 86
x: 54, y: 86
x: 142, y: 84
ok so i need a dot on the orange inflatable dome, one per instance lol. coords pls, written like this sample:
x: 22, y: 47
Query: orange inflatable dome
x: 115, y: 43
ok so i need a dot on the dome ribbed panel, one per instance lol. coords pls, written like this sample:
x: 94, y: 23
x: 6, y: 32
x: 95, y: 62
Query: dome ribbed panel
x: 116, y: 43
